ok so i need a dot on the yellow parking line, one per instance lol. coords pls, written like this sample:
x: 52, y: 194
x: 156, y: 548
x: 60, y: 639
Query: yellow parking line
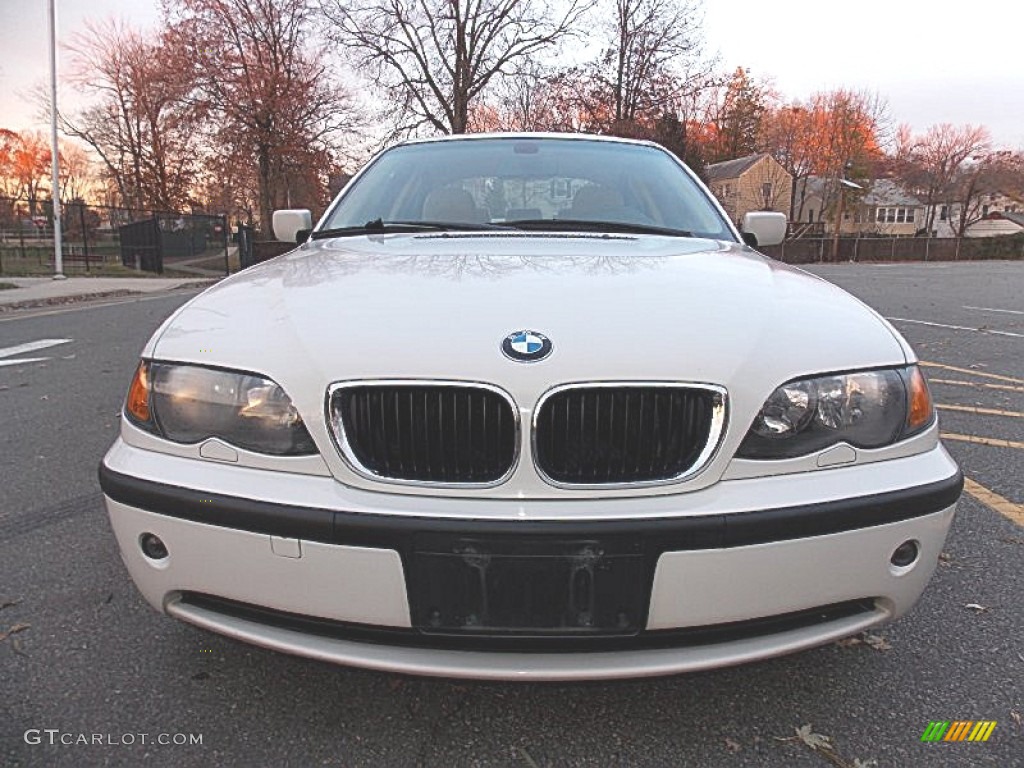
x: 957, y: 383
x: 996, y: 441
x: 980, y: 411
x: 973, y: 372
x: 992, y: 500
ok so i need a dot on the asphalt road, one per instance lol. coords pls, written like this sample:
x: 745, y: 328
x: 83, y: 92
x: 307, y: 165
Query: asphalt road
x: 96, y: 660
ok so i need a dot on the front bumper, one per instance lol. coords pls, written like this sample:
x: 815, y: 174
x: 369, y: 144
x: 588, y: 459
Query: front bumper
x: 725, y: 585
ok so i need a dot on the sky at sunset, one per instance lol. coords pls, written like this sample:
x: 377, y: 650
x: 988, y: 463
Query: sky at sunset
x: 932, y: 64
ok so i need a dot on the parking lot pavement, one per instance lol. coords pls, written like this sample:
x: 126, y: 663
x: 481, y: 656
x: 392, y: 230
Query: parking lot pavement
x: 95, y: 660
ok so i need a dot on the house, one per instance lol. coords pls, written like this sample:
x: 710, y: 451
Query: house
x: 882, y: 208
x: 886, y: 209
x: 751, y: 183
x: 997, y: 223
x: 809, y: 205
x: 990, y: 215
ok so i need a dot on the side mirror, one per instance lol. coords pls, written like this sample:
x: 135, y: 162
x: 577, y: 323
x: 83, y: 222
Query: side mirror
x: 765, y: 227
x: 289, y: 223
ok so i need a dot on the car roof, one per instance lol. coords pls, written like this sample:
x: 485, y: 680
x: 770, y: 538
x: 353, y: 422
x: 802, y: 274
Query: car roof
x: 528, y: 135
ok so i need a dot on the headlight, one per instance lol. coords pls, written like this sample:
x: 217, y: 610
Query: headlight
x: 869, y: 409
x: 188, y: 404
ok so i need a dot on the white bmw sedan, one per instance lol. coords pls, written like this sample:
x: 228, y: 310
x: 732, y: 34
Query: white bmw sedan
x: 529, y: 407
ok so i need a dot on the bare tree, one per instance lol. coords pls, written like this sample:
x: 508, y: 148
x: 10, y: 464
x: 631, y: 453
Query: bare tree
x: 850, y: 126
x: 272, y: 101
x: 788, y: 135
x: 30, y: 167
x: 933, y: 162
x: 652, y: 43
x: 981, y: 175
x: 537, y: 99
x: 138, y: 122
x: 9, y: 141
x: 739, y: 114
x: 77, y: 172
x: 437, y: 58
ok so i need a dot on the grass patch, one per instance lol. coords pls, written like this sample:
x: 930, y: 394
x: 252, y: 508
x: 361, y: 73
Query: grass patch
x: 32, y: 268
x: 7, y: 286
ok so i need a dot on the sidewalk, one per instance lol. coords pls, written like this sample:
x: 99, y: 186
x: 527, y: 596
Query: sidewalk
x: 45, y: 291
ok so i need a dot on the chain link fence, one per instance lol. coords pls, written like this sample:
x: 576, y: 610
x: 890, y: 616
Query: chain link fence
x: 821, y: 250
x: 105, y: 240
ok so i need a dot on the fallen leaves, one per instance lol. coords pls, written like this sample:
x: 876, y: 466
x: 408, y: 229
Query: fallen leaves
x: 732, y: 745
x: 15, y: 629
x: 866, y: 638
x: 822, y: 745
x: 20, y: 627
x: 815, y: 741
x: 526, y: 757
x: 977, y: 608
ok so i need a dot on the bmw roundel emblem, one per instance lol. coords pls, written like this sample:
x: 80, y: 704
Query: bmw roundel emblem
x: 526, y: 346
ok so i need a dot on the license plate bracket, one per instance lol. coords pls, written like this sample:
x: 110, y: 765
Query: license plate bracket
x: 531, y: 586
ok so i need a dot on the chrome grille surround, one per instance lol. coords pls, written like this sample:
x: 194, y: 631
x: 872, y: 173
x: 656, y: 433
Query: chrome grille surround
x: 340, y: 436
x: 716, y: 432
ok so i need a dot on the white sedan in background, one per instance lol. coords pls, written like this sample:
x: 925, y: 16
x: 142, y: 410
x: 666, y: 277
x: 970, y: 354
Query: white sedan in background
x: 529, y: 407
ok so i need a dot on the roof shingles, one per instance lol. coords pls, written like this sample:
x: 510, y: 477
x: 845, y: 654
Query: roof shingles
x: 732, y: 169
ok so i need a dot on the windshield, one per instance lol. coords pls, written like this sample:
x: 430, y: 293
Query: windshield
x: 528, y: 183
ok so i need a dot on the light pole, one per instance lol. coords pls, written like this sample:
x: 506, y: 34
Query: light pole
x: 58, y: 255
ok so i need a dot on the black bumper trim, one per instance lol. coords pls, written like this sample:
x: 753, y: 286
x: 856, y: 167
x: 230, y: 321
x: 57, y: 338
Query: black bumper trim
x: 645, y: 640
x: 662, y: 534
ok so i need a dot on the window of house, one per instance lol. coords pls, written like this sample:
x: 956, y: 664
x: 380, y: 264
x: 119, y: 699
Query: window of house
x: 890, y: 215
x: 901, y: 215
x: 910, y: 215
x: 810, y: 215
x: 944, y: 213
x: 856, y: 216
x: 766, y: 190
x: 880, y: 215
x: 984, y: 210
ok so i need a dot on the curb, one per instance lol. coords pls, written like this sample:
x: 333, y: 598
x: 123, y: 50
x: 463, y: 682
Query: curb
x: 80, y: 298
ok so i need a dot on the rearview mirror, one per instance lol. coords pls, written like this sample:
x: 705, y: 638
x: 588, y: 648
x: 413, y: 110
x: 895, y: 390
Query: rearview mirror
x: 289, y: 223
x: 766, y: 227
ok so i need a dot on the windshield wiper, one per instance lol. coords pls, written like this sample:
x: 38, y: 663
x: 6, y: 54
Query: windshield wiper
x: 379, y: 225
x: 589, y: 225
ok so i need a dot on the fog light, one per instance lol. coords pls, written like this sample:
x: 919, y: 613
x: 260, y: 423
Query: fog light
x: 152, y: 546
x: 905, y: 554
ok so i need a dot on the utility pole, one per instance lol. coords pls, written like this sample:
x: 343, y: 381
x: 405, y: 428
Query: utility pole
x: 839, y: 222
x: 844, y: 183
x: 58, y: 255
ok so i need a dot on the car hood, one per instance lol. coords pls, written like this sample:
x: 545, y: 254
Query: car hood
x: 437, y: 306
